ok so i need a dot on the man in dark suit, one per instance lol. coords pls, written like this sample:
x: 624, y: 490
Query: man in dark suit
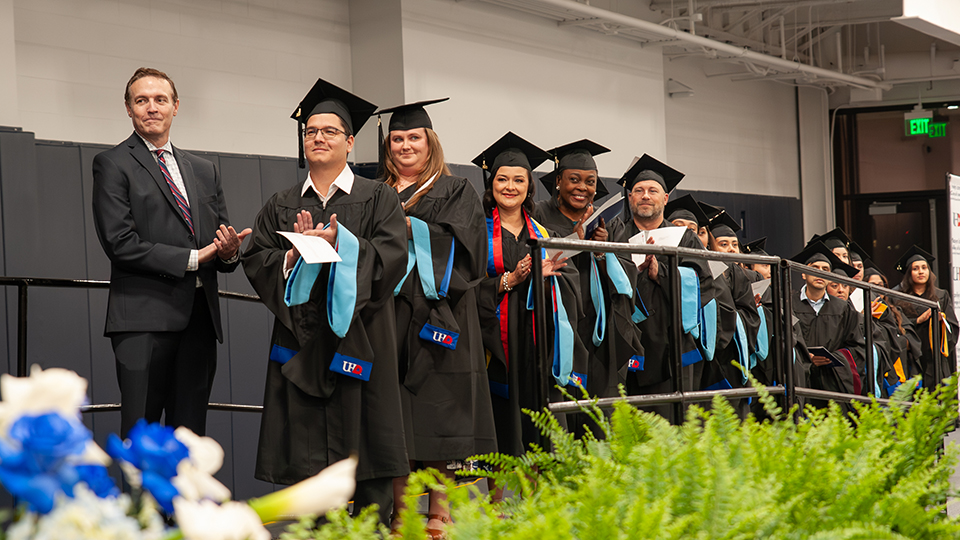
x: 162, y: 220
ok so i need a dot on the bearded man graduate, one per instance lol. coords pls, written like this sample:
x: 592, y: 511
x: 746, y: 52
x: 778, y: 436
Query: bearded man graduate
x: 332, y: 387
x: 648, y: 183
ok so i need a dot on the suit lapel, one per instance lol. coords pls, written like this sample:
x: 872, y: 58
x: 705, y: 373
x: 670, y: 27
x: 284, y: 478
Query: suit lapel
x: 190, y: 183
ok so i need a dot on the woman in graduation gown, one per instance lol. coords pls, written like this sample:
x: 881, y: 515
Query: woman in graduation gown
x: 331, y: 385
x: 920, y: 281
x: 447, y: 414
x: 900, y: 334
x: 508, y: 325
x: 606, y: 329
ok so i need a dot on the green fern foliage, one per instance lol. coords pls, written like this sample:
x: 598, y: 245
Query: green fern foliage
x: 880, y: 473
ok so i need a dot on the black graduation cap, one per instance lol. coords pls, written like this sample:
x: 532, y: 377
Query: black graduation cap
x: 723, y: 225
x: 757, y: 247
x: 410, y: 116
x: 872, y: 271
x: 709, y: 210
x: 912, y: 255
x: 511, y: 150
x: 833, y: 239
x: 648, y: 168
x: 815, y: 251
x: 328, y: 98
x: 576, y: 155
x: 687, y: 208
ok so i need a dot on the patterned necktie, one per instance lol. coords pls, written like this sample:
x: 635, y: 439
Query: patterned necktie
x: 181, y: 202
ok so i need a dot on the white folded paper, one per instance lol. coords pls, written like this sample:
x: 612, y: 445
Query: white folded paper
x: 313, y: 249
x: 564, y: 252
x: 760, y: 287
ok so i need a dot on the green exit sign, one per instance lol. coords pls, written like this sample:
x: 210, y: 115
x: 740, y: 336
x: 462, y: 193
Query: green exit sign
x: 937, y: 129
x: 917, y: 126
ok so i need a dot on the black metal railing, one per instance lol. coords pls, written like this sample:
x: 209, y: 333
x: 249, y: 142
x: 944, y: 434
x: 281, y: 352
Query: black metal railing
x: 782, y: 334
x: 23, y: 285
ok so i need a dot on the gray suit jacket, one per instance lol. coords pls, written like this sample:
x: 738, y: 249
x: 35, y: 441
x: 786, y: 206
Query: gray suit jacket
x: 148, y: 240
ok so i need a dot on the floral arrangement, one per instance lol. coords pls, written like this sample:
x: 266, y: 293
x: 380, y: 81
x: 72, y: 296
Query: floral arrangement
x: 49, y: 462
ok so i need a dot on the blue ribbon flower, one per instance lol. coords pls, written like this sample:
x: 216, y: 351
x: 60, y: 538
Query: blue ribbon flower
x: 154, y: 450
x: 34, y: 465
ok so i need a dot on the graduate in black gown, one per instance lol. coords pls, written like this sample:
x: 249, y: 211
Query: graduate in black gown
x: 447, y: 415
x: 828, y: 323
x: 332, y: 388
x: 739, y: 320
x: 647, y: 184
x: 906, y: 349
x: 607, y: 281
x: 938, y: 356
x: 508, y: 327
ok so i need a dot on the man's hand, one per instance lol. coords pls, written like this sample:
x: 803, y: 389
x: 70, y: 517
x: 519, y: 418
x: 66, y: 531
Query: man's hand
x: 303, y: 224
x: 228, y: 241
x: 651, y: 265
x: 819, y: 360
x: 206, y: 253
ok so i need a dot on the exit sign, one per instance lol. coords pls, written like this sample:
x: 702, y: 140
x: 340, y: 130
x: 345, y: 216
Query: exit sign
x: 937, y: 129
x: 917, y: 126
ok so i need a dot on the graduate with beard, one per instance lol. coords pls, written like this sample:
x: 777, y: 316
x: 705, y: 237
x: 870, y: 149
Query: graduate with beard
x: 607, y: 281
x: 828, y: 323
x: 647, y: 184
x: 332, y: 388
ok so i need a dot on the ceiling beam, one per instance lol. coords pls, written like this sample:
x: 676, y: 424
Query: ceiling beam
x: 737, y: 53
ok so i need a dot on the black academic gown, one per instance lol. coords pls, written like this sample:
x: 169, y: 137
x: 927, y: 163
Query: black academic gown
x: 655, y: 298
x: 445, y: 393
x: 930, y: 355
x: 836, y: 327
x: 902, y: 349
x: 622, y: 337
x: 312, y: 415
x: 735, y: 300
x: 512, y: 384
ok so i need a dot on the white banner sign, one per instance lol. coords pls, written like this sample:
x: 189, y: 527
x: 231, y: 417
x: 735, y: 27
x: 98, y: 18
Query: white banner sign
x: 953, y: 187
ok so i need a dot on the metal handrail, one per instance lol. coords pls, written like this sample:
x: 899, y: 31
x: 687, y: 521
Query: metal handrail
x: 24, y: 283
x: 781, y: 283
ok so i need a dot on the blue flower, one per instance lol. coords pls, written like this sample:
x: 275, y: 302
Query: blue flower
x: 150, y: 448
x: 98, y: 480
x: 154, y: 450
x: 34, y: 468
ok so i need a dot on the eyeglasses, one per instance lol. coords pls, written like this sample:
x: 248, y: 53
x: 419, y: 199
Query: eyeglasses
x: 327, y: 132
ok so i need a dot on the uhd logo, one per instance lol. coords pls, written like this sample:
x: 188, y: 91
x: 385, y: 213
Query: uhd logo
x: 351, y: 367
x: 440, y: 336
x: 956, y: 219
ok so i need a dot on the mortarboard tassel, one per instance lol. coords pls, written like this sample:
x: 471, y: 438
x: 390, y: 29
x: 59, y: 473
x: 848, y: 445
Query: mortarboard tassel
x: 300, y: 138
x: 381, y: 165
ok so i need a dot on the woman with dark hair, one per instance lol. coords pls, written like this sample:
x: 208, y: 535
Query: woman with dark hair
x: 607, y: 282
x: 899, y: 333
x: 920, y: 281
x: 508, y: 331
x: 444, y: 393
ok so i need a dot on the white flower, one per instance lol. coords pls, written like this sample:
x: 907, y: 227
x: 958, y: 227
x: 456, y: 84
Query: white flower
x: 53, y: 390
x: 194, y: 484
x: 194, y: 478
x: 331, y: 488
x: 85, y: 516
x: 207, y: 520
x: 205, y: 453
